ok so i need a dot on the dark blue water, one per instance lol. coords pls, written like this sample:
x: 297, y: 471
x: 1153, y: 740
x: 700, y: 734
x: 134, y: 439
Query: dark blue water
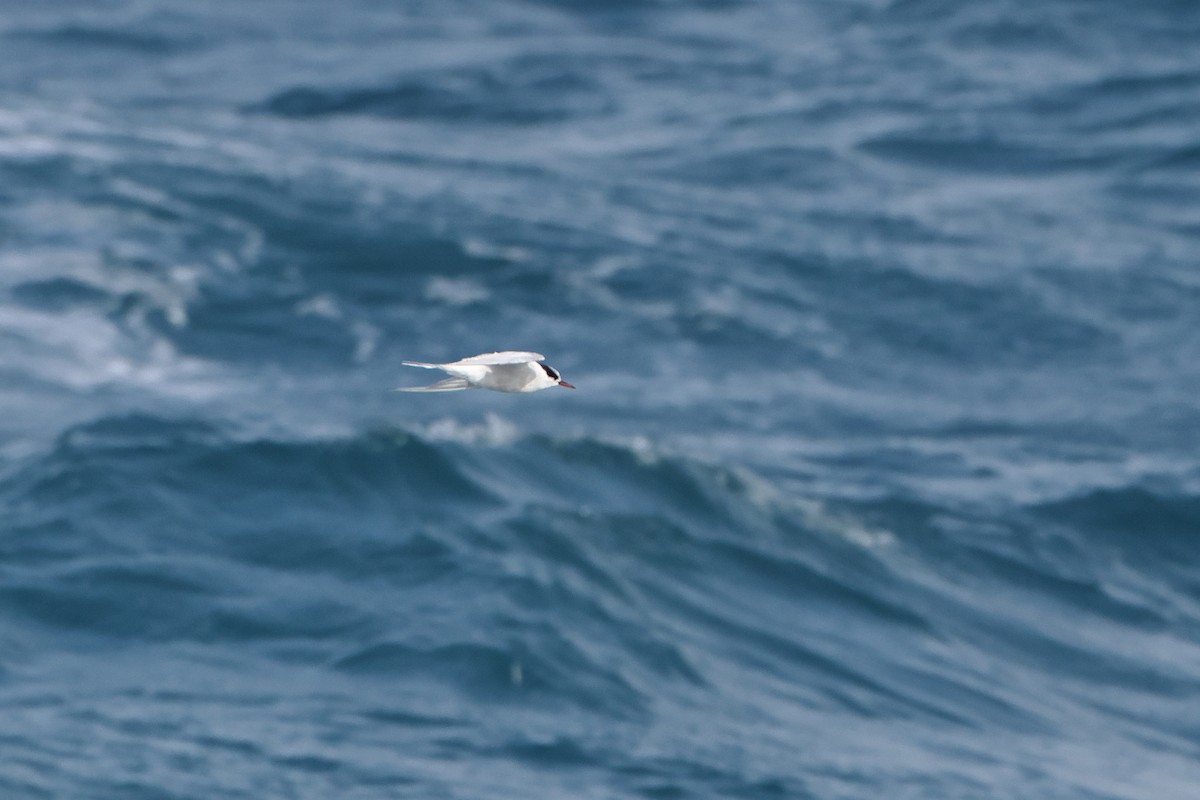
x: 881, y: 479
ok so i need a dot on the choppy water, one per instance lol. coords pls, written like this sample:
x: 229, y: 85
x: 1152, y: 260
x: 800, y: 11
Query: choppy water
x: 881, y: 480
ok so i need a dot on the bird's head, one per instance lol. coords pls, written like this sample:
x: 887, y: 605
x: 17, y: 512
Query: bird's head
x: 553, y: 375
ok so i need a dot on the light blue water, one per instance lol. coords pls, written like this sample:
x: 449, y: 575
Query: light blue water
x: 881, y: 476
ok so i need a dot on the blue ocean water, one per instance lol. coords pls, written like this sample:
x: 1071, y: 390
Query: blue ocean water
x: 880, y: 481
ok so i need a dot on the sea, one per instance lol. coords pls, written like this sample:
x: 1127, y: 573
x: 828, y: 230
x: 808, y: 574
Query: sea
x: 882, y: 476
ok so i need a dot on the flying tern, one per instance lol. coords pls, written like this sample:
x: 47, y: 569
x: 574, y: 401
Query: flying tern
x: 509, y: 371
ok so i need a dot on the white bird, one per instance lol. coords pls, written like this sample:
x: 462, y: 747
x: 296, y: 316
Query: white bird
x: 510, y: 371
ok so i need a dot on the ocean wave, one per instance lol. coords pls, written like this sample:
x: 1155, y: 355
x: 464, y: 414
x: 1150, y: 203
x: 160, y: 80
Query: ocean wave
x: 526, y: 90
x: 989, y: 155
x: 85, y: 36
x: 189, y: 484
x: 881, y: 475
x: 659, y: 557
x: 1146, y: 527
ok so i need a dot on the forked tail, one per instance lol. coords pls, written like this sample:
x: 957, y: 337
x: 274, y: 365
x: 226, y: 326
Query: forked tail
x: 447, y: 385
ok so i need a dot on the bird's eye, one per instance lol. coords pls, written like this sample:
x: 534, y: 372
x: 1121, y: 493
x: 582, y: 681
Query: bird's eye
x: 553, y: 373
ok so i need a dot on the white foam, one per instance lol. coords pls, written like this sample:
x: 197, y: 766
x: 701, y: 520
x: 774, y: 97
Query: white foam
x: 493, y: 430
x: 456, y: 291
x: 478, y: 248
x: 366, y: 340
x: 84, y: 351
x: 323, y: 305
x: 844, y: 525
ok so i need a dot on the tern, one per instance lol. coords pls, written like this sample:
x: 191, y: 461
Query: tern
x: 509, y: 371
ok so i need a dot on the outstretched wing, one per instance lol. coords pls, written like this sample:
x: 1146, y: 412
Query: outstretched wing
x: 506, y: 357
x: 447, y: 385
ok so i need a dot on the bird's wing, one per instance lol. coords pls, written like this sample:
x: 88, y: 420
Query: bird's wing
x: 447, y: 385
x: 506, y: 357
